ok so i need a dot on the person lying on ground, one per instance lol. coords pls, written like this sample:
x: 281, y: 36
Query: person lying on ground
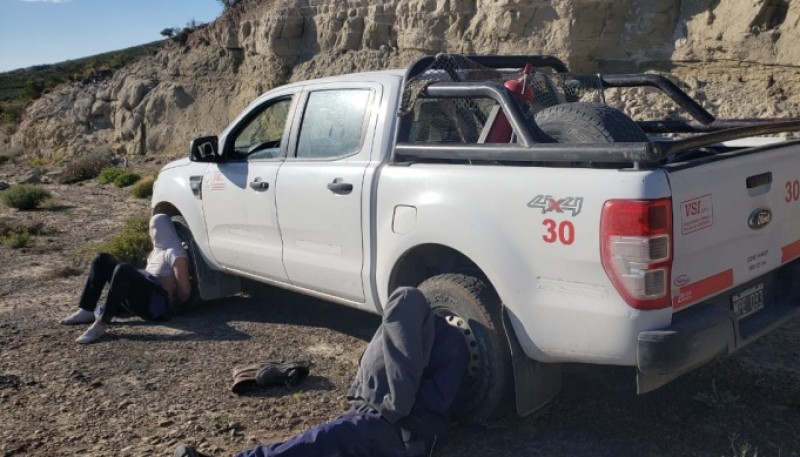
x: 408, y: 378
x: 153, y: 293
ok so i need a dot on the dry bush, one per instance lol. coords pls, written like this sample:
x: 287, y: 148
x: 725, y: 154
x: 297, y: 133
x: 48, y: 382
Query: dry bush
x: 86, y: 166
x: 16, y: 234
x: 24, y: 196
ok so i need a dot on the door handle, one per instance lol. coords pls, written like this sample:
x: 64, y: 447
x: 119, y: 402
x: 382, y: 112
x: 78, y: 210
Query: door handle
x: 259, y: 185
x: 338, y: 186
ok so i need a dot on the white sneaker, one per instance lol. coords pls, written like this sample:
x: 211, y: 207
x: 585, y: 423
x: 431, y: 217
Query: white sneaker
x: 91, y: 334
x: 81, y: 316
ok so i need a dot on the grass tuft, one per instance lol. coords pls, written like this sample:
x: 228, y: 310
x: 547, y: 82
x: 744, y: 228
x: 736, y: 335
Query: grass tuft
x: 24, y: 196
x: 741, y: 449
x: 717, y: 398
x: 143, y: 188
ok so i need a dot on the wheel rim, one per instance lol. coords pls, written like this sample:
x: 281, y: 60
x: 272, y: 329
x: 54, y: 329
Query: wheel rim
x: 472, y: 383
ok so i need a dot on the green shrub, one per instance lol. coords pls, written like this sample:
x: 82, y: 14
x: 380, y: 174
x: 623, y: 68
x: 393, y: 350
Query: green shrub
x: 109, y: 174
x: 86, y: 166
x: 143, y: 187
x: 132, y: 244
x: 19, y: 233
x: 17, y: 240
x: 126, y: 178
x: 24, y: 196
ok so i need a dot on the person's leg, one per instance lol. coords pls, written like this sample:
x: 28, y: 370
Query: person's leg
x: 352, y: 434
x: 128, y: 289
x: 99, y: 274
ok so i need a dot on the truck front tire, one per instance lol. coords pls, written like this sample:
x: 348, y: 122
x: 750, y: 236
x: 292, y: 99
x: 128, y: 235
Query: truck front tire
x: 187, y: 240
x: 473, y: 306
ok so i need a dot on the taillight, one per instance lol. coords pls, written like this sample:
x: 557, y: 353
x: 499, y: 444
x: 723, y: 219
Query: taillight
x: 636, y: 250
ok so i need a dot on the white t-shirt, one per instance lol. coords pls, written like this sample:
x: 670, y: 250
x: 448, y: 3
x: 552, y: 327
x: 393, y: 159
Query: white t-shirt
x: 160, y: 261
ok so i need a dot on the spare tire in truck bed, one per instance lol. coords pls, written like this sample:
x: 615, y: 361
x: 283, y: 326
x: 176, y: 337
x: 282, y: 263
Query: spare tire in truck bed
x: 588, y: 123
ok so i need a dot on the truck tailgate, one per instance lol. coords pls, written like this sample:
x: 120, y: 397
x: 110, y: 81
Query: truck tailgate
x: 736, y: 220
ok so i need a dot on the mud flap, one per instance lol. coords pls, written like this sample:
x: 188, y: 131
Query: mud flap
x: 535, y: 383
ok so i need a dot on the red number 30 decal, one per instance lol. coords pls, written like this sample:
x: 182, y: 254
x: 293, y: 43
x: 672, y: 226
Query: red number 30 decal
x: 792, y: 191
x: 563, y: 232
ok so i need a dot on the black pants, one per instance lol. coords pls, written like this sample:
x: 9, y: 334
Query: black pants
x: 128, y: 288
x: 351, y: 434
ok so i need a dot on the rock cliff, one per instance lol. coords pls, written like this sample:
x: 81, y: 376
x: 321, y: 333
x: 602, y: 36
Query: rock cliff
x: 739, y: 57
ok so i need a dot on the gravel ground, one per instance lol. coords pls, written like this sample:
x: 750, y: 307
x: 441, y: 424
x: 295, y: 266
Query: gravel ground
x: 145, y: 388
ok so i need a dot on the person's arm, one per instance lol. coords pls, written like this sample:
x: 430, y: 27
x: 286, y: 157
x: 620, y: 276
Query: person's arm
x: 180, y: 269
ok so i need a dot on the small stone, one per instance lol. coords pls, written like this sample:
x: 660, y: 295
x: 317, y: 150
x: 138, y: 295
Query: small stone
x: 165, y: 423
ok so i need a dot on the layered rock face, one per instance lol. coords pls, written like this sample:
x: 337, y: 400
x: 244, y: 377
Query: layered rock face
x: 739, y: 57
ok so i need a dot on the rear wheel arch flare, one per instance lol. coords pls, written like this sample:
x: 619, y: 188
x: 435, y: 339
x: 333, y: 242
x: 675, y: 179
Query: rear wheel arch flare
x: 427, y: 260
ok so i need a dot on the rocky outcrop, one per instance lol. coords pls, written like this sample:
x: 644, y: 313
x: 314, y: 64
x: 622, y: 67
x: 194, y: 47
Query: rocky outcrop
x: 740, y: 56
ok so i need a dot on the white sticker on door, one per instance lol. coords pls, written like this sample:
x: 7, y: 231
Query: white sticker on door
x: 218, y: 181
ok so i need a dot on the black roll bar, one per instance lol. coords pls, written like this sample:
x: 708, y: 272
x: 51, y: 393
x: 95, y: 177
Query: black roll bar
x: 670, y: 148
x: 525, y: 134
x: 517, y: 61
x: 662, y: 83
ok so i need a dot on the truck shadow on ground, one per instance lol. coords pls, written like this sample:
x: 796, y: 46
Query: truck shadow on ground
x: 211, y: 321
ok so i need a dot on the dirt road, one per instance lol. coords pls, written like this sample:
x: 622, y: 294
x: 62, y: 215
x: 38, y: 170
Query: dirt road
x: 146, y: 388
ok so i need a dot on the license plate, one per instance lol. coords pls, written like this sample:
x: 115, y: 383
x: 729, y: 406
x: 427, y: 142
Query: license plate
x: 748, y: 301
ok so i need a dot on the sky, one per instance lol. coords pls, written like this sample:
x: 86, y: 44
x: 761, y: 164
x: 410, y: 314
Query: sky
x: 34, y: 32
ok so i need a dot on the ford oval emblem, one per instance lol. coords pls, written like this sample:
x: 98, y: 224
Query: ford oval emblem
x: 759, y: 218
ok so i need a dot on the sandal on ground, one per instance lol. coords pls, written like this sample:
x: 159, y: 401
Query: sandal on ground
x: 265, y: 374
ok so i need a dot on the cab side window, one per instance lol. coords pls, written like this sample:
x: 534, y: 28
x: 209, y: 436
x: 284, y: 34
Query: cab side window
x: 260, y: 137
x: 333, y: 123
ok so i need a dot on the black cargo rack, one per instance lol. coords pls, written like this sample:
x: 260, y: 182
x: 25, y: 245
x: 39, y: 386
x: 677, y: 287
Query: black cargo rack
x: 531, y: 146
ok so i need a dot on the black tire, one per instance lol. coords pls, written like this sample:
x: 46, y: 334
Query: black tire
x: 187, y: 240
x: 472, y: 305
x: 588, y: 123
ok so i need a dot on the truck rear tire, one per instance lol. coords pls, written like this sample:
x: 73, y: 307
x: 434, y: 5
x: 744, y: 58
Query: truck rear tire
x: 187, y: 240
x: 588, y: 123
x: 473, y: 306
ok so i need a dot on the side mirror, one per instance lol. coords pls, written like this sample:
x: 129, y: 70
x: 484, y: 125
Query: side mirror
x: 204, y: 149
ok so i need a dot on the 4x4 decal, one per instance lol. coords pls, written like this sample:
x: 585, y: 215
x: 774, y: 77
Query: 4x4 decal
x: 548, y: 203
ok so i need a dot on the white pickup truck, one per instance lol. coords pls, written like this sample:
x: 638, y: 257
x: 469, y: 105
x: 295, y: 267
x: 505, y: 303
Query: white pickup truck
x: 547, y: 226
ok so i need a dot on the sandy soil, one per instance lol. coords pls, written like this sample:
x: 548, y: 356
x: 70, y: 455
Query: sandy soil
x: 146, y: 388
